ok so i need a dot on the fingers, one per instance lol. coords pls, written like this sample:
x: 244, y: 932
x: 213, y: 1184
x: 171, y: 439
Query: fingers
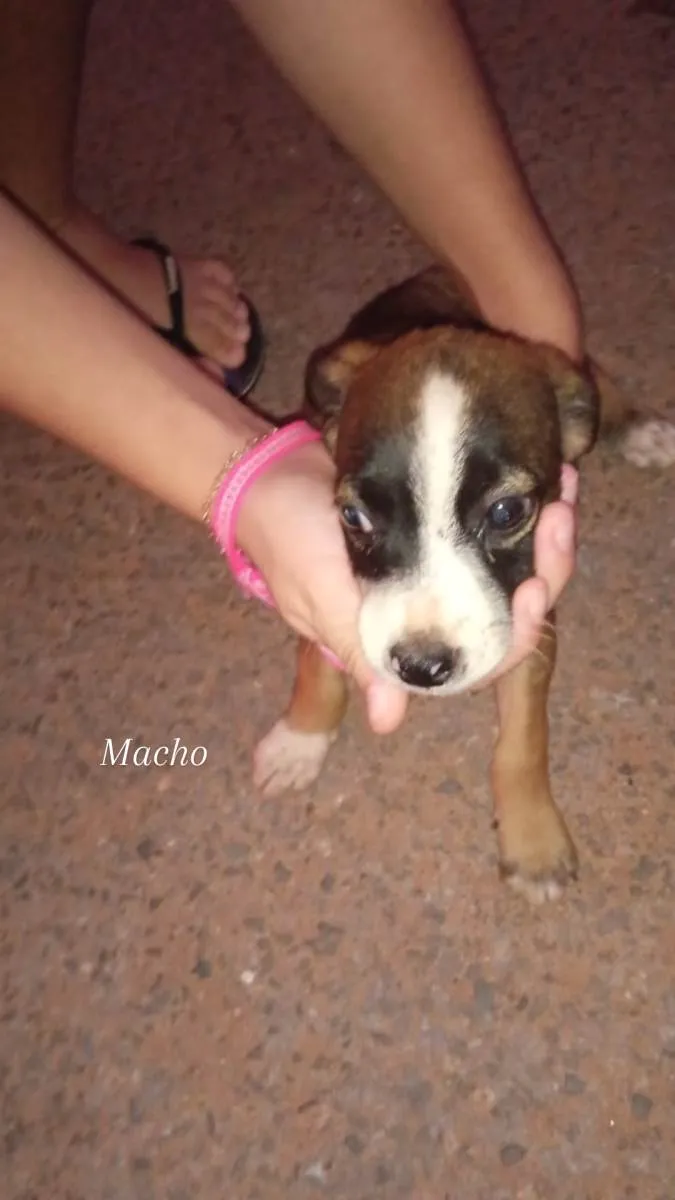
x: 530, y: 606
x: 554, y: 554
x: 554, y: 559
x: 569, y: 485
x: 306, y: 567
x: 386, y: 706
x: 554, y: 549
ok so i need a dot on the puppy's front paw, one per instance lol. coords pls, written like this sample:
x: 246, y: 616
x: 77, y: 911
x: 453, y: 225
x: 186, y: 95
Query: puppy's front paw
x: 287, y: 759
x: 537, y: 855
x: 648, y: 441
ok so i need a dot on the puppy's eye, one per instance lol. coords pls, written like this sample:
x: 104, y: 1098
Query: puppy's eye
x: 355, y: 519
x: 509, y: 514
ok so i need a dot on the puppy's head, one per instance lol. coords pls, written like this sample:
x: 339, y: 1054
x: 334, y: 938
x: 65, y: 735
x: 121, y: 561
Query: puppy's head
x: 447, y: 444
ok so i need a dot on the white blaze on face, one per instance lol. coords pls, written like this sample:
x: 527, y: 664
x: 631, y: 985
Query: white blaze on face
x: 450, y: 595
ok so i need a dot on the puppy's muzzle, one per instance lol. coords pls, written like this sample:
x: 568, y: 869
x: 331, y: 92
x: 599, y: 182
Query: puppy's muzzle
x: 424, y: 664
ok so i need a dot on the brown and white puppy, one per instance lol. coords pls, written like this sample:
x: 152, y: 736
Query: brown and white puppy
x: 448, y: 439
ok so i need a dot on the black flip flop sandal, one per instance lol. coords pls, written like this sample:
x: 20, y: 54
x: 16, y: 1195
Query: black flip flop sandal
x: 238, y: 380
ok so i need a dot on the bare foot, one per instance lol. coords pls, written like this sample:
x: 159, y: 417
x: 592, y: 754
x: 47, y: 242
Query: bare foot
x: 216, y: 320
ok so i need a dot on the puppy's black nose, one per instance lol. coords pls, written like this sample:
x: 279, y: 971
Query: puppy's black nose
x: 424, y: 664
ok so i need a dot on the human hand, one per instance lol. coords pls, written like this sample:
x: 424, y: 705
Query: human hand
x: 554, y: 562
x: 302, y: 556
x: 289, y: 528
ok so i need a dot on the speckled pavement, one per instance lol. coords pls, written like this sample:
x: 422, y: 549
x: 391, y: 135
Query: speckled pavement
x: 207, y: 995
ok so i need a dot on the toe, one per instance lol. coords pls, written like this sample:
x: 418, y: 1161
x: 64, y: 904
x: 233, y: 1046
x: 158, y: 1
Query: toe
x: 232, y: 314
x: 228, y: 306
x: 217, y: 274
x: 221, y: 340
x: 216, y: 317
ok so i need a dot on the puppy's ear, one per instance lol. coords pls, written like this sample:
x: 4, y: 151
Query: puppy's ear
x: 329, y: 373
x: 617, y: 412
x: 578, y: 400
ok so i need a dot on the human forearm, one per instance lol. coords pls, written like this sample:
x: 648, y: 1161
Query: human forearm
x: 75, y: 362
x: 428, y: 132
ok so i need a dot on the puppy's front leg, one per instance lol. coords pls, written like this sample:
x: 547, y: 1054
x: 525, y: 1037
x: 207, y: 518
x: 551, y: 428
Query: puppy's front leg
x: 537, y: 854
x: 293, y: 752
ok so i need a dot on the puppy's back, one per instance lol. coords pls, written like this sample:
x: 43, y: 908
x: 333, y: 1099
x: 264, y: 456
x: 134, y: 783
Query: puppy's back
x: 425, y: 301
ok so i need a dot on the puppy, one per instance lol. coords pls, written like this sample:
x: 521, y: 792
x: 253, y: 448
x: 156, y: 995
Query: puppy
x: 448, y: 439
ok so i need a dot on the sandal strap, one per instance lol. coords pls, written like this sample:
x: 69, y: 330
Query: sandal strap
x: 173, y: 283
x: 239, y: 380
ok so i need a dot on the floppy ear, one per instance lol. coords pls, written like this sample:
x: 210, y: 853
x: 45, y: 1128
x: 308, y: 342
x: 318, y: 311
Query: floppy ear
x: 329, y: 373
x: 578, y: 400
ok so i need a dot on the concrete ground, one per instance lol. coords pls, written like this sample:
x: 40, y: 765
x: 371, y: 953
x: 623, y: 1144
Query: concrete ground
x: 207, y: 995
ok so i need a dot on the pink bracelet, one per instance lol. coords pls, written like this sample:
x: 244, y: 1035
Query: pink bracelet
x: 238, y: 476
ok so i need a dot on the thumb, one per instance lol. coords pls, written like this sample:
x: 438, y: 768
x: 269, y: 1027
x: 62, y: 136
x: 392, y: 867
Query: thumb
x: 530, y: 604
x: 386, y: 704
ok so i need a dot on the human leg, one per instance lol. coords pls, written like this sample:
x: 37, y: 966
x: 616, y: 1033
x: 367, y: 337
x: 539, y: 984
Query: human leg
x: 400, y: 87
x: 42, y: 49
